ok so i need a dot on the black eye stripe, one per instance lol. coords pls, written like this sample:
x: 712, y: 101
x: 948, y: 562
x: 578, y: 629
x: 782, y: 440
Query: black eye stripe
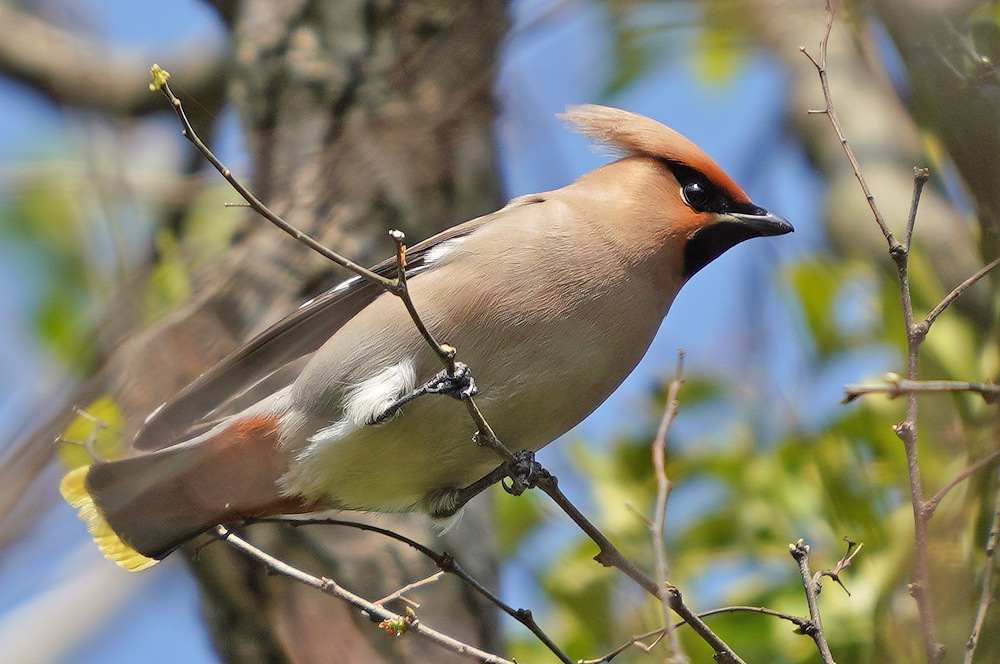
x: 716, y: 199
x: 697, y: 191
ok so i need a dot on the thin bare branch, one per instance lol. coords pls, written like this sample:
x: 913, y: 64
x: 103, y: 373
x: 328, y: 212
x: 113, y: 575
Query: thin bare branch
x: 925, y: 325
x: 906, y: 430
x: 802, y: 624
x: 159, y: 77
x: 920, y: 177
x: 375, y: 612
x: 399, y: 594
x: 90, y: 444
x: 444, y: 352
x: 635, y: 642
x: 811, y: 585
x: 986, y: 588
x: 831, y: 113
x: 896, y: 385
x: 445, y: 562
x: 663, y: 485
x: 933, y: 502
x: 853, y: 549
x: 609, y: 556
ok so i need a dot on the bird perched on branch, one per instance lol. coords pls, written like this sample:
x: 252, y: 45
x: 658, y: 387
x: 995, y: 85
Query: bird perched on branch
x: 551, y: 301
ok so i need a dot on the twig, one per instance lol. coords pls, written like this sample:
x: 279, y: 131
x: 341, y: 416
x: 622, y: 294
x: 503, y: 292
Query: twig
x: 985, y: 593
x: 811, y: 585
x: 801, y: 624
x: 896, y: 385
x: 925, y: 325
x: 446, y: 353
x: 90, y: 444
x: 831, y: 113
x: 374, y: 611
x: 407, y: 588
x: 853, y: 549
x: 444, y: 561
x: 920, y: 177
x: 658, y: 449
x: 932, y: 503
x: 160, y: 77
x: 634, y: 642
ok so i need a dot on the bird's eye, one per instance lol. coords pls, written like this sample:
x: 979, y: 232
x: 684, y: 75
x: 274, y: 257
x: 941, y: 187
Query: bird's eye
x: 695, y: 195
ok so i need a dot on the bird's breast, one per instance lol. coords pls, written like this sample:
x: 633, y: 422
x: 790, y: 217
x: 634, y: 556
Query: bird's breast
x: 544, y: 355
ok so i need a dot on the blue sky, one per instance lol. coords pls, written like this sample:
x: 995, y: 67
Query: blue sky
x: 562, y: 59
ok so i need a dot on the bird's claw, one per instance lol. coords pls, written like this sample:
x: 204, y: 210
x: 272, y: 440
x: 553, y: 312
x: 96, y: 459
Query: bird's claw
x: 524, y: 473
x: 458, y: 384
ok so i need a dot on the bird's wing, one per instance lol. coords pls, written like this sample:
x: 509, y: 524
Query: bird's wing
x: 295, y: 336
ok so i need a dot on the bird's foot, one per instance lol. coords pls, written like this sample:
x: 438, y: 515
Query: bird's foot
x: 457, y: 384
x: 524, y: 473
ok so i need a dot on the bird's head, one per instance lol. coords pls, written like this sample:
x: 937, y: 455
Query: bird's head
x: 709, y: 212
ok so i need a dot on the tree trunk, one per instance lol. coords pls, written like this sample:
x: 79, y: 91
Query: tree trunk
x: 361, y: 116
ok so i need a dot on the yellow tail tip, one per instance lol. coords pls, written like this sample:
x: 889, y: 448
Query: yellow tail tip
x: 74, y: 491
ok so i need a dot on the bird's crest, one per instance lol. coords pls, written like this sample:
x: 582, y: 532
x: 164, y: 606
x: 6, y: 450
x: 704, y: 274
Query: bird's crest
x: 631, y: 134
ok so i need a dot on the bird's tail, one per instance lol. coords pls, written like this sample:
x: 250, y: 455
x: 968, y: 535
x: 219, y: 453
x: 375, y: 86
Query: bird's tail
x: 140, y: 509
x: 74, y: 491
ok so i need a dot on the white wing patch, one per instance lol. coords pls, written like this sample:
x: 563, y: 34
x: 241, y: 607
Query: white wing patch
x: 364, y: 401
x: 436, y: 253
x: 361, y: 403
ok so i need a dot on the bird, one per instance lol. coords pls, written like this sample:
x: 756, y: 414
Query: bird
x: 551, y: 301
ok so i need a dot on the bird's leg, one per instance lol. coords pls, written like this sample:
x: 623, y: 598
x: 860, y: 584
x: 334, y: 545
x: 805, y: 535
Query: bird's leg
x: 446, y: 503
x: 457, y: 384
x: 524, y: 472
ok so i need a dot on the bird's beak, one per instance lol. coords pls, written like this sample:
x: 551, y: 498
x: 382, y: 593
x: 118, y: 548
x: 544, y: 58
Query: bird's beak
x: 729, y: 229
x: 761, y: 224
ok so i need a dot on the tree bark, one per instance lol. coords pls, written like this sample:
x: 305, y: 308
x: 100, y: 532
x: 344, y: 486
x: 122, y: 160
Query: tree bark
x: 361, y: 116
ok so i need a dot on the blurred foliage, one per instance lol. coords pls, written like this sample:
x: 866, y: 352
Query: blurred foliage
x: 44, y: 218
x: 80, y: 248
x: 648, y: 32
